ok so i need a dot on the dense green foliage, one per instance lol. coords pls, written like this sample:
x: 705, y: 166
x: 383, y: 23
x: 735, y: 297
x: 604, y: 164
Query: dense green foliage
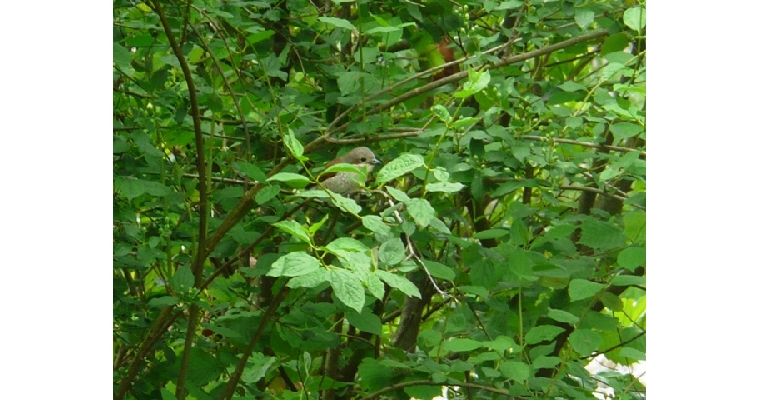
x: 499, y: 248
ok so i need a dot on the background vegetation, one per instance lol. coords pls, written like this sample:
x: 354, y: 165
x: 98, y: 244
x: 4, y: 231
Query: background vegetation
x: 502, y: 245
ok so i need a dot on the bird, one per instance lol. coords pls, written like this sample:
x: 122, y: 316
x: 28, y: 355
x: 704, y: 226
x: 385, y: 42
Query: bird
x: 347, y: 182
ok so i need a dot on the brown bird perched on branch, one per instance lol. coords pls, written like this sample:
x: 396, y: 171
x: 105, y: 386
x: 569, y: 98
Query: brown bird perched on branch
x: 347, y: 182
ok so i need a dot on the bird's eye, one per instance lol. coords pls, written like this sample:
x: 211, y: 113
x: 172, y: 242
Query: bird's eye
x: 363, y: 159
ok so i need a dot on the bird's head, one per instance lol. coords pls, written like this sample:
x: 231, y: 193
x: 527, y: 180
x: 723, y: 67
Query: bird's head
x: 361, y: 157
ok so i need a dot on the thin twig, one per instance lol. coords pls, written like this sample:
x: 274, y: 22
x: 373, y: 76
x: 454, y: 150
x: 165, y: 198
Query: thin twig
x: 374, y: 139
x: 599, y: 191
x: 218, y: 179
x: 412, y: 253
x: 583, y: 144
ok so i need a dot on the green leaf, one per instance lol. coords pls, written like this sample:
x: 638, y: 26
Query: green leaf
x: 615, y: 42
x: 441, y: 112
x: 562, y: 316
x: 294, y: 146
x: 438, y: 226
x: 398, y: 167
x: 338, y: 22
x: 166, y: 394
x: 502, y: 343
x: 440, y: 271
x: 164, y: 301
x: 478, y: 80
x: 310, y: 280
x: 476, y: 290
x: 446, y: 187
x: 383, y: 29
x: 195, y: 54
x: 465, y: 122
x: 601, y: 235
x: 267, y: 193
x: 515, y: 370
x: 374, y: 375
x: 541, y: 333
x: 585, y: 341
x: 293, y: 180
x: 399, y: 282
x: 632, y: 258
x: 545, y: 362
x: 224, y: 331
x: 251, y: 170
x: 491, y: 233
x: 346, y: 244
x: 316, y: 193
x: 564, y: 97
x: 610, y: 172
x: 421, y: 211
x: 365, y: 321
x: 635, y: 18
x: 342, y: 167
x: 441, y: 174
x: 397, y: 194
x: 511, y: 186
x: 580, y: 289
x: 461, y: 345
x: 121, y: 56
x: 183, y: 279
x: 571, y: 86
x: 258, y: 370
x: 145, y: 145
x: 629, y: 352
x: 374, y: 286
x: 228, y: 192
x: 628, y: 280
x: 259, y: 37
x: 316, y: 226
x: 519, y: 235
x: 295, y: 229
x: 294, y: 264
x: 584, y: 18
x: 350, y: 82
x: 346, y: 204
x: 635, y: 223
x: 625, y: 130
x: 391, y: 252
x: 376, y: 225
x: 129, y: 188
x: 611, y: 301
x: 347, y: 288
x: 240, y: 235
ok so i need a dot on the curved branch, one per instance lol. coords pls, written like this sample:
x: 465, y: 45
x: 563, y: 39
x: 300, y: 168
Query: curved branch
x: 459, y: 75
x: 431, y: 383
x: 374, y: 139
x: 200, y: 252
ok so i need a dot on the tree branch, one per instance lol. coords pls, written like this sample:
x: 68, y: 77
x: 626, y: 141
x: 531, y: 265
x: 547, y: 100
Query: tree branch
x: 441, y: 384
x: 459, y: 75
x: 229, y: 389
x: 200, y: 251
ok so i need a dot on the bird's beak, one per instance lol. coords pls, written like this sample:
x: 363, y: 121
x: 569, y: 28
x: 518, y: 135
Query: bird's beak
x: 377, y: 161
